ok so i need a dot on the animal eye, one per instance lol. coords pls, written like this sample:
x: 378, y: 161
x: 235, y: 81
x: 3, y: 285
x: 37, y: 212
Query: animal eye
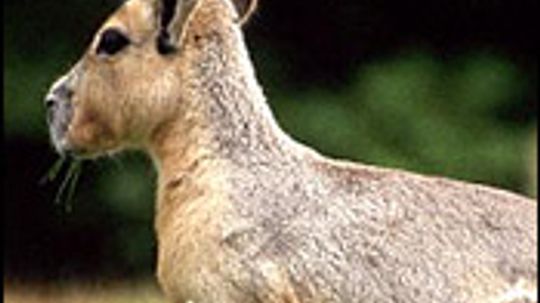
x: 112, y: 41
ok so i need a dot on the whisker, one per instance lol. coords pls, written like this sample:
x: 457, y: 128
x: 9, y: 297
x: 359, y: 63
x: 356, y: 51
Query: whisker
x: 76, y: 173
x: 53, y: 172
x: 69, y: 183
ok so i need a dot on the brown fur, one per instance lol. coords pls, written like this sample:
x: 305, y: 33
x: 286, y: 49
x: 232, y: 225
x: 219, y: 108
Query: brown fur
x: 246, y: 214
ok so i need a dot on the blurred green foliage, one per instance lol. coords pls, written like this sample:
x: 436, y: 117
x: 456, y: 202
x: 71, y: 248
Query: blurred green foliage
x: 411, y: 109
x: 422, y: 114
x: 533, y: 164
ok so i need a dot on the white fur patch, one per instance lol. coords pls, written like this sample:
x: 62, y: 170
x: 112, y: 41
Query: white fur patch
x: 520, y: 291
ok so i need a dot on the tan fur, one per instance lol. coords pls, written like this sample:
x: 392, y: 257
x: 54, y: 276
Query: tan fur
x: 246, y: 214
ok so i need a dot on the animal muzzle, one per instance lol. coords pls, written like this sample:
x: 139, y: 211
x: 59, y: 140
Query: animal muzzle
x: 59, y: 113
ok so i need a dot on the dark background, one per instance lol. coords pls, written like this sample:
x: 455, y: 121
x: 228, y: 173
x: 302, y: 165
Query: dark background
x: 438, y: 87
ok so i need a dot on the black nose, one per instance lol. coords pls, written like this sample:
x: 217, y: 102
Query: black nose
x: 50, y: 106
x: 58, y: 104
x: 58, y: 93
x: 50, y: 103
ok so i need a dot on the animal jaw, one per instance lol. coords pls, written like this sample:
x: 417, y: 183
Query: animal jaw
x: 245, y: 213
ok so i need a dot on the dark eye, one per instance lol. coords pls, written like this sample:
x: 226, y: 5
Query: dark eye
x: 112, y: 41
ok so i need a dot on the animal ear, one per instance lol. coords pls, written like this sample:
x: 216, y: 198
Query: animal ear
x: 245, y: 9
x: 173, y: 17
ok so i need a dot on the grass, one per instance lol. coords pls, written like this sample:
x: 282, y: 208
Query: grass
x: 115, y: 292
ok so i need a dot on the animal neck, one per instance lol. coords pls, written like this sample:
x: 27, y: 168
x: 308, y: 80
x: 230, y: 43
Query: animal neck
x: 226, y: 118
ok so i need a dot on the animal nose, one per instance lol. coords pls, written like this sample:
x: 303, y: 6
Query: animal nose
x: 55, y: 102
x: 57, y: 96
x: 60, y: 91
x: 50, y: 103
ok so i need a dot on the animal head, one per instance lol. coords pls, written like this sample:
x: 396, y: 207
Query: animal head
x: 136, y: 74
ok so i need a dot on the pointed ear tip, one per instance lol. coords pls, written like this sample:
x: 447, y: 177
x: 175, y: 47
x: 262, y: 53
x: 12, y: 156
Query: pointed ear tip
x: 245, y: 9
